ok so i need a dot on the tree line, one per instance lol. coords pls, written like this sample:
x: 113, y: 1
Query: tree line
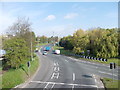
x: 45, y: 39
x: 96, y: 42
x: 19, y: 44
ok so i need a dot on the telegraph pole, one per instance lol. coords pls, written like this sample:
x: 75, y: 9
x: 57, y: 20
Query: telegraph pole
x: 31, y: 48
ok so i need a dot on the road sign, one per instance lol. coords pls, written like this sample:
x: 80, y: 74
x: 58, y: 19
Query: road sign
x: 112, y: 65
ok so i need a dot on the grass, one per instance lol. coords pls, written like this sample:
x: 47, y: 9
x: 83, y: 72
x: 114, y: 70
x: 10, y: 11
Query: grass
x: 14, y: 77
x: 41, y: 44
x: 63, y: 51
x: 110, y: 84
x: 67, y: 52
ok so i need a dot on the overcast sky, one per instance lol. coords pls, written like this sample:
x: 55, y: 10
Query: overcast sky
x: 62, y: 18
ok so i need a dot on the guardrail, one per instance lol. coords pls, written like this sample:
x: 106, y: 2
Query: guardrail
x: 89, y: 57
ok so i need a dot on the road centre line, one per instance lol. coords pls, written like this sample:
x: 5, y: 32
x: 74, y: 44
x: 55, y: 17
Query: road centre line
x: 73, y: 76
x: 63, y: 83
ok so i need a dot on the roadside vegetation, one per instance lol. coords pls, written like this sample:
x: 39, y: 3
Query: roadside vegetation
x: 69, y: 52
x: 14, y: 77
x: 111, y: 84
x: 19, y: 45
x: 98, y: 42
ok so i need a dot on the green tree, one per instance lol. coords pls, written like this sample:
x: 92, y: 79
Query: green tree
x: 16, y: 51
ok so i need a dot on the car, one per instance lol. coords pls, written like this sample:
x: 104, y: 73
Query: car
x: 44, y: 53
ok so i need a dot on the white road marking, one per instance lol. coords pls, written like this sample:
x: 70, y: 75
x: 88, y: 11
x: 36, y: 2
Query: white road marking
x: 58, y: 69
x: 73, y: 76
x: 107, y: 73
x: 54, y: 68
x: 57, y: 64
x: 66, y: 60
x: 54, y: 64
x: 53, y: 86
x: 47, y: 85
x: 52, y: 75
x: 57, y: 75
x: 72, y: 87
x: 63, y: 83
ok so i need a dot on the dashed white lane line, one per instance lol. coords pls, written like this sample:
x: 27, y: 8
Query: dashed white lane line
x: 107, y: 73
x: 73, y: 76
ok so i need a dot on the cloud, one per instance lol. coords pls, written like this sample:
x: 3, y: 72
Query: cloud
x: 50, y: 17
x: 71, y: 15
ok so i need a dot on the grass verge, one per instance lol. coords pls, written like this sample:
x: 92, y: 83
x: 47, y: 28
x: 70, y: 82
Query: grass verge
x: 14, y: 77
x: 41, y: 44
x: 111, y: 84
x: 67, y: 52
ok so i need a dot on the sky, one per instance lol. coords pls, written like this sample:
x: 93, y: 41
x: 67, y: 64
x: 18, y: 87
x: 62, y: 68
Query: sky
x: 60, y: 18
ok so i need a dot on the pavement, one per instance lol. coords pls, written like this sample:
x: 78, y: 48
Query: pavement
x: 58, y: 71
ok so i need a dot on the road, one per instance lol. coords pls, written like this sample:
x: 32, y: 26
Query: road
x: 59, y: 71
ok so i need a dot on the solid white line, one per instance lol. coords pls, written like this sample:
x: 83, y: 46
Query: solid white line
x: 73, y: 76
x: 63, y: 83
x: 107, y: 73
